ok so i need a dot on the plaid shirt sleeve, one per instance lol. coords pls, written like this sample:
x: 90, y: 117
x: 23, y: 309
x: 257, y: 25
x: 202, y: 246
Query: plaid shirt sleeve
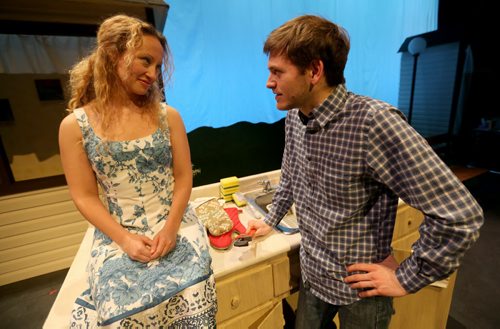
x: 403, y: 160
x: 283, y: 198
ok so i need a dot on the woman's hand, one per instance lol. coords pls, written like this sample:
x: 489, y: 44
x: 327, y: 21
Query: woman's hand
x: 163, y: 242
x: 137, y: 247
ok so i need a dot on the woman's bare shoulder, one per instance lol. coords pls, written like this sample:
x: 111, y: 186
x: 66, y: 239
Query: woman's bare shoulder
x: 170, y: 110
x: 69, y: 126
x: 69, y: 120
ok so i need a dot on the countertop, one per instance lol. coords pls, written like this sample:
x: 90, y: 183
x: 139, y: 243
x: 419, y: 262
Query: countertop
x: 224, y: 262
x: 260, y: 249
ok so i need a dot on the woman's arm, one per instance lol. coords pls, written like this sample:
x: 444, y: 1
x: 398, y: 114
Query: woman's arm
x: 83, y: 189
x: 164, y: 241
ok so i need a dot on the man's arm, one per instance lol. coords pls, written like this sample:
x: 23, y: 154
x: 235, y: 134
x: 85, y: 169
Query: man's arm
x: 283, y: 198
x: 402, y: 160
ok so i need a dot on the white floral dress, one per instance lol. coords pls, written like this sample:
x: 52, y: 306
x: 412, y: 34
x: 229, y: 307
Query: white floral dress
x: 176, y: 291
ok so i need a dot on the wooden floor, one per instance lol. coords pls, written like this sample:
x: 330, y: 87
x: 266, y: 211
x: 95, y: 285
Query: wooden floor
x: 465, y: 173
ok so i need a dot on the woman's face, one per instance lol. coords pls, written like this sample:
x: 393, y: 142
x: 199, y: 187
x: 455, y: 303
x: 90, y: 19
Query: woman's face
x: 144, y: 68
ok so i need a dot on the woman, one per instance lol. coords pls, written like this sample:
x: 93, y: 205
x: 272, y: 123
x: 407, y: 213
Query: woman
x: 150, y: 264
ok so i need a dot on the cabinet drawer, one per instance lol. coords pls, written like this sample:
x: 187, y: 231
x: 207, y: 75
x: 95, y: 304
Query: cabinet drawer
x: 256, y: 317
x: 408, y: 220
x: 243, y: 291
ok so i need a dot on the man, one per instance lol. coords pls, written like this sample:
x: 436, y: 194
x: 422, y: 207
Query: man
x: 347, y: 161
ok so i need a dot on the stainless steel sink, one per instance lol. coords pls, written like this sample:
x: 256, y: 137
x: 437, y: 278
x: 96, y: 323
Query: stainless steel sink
x: 262, y: 201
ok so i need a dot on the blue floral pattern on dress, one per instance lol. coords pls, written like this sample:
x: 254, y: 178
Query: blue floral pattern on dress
x: 136, y: 181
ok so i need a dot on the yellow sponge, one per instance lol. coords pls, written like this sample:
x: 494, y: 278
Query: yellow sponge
x: 239, y: 199
x: 227, y: 191
x: 227, y: 198
x: 229, y: 182
x: 228, y: 186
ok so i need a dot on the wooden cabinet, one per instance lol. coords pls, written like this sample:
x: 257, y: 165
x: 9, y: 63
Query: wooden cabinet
x: 429, y: 307
x: 408, y: 220
x: 251, y: 298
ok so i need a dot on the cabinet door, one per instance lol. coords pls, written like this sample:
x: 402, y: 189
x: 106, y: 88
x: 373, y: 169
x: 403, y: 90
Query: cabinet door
x: 408, y: 220
x: 428, y: 308
x: 281, y: 277
x: 274, y: 319
x: 243, y: 291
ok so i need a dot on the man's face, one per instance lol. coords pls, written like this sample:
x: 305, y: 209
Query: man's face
x: 288, y: 83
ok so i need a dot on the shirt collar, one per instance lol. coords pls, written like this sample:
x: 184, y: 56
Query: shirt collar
x: 305, y: 118
x: 330, y: 107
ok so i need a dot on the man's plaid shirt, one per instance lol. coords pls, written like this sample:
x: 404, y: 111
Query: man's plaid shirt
x: 345, y: 168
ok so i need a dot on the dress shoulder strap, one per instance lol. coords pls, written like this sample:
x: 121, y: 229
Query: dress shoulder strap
x: 163, y: 110
x: 163, y: 114
x: 81, y: 118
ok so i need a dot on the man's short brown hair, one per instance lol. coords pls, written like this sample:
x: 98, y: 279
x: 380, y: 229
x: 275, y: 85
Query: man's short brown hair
x: 307, y: 38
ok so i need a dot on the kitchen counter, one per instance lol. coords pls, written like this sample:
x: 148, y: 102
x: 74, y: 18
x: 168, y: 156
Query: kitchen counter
x: 224, y: 262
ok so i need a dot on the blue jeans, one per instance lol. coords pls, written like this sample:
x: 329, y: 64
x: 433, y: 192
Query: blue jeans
x: 367, y: 313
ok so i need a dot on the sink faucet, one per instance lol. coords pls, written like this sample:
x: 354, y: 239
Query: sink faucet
x: 266, y: 185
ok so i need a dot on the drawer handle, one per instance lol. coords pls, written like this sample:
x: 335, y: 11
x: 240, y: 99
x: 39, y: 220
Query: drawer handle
x: 409, y: 222
x: 235, y: 302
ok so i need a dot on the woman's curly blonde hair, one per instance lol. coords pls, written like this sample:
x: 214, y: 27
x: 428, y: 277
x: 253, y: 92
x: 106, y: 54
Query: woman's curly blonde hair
x: 95, y: 78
